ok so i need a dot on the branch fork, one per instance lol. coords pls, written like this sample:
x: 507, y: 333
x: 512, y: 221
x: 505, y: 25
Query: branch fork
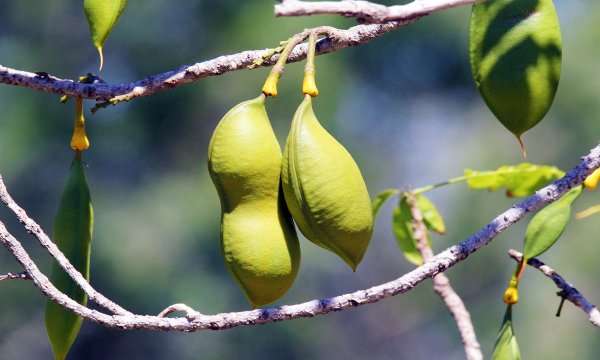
x: 194, y: 321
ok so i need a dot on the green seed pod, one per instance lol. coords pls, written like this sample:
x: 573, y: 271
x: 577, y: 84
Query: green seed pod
x: 258, y: 239
x: 324, y: 189
x: 73, y: 236
x: 102, y: 15
x: 515, y: 53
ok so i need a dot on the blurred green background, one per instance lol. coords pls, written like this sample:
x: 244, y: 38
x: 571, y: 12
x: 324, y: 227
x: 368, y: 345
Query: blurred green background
x: 404, y: 106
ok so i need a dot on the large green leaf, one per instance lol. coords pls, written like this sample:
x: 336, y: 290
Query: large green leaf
x: 548, y: 224
x: 403, y: 231
x: 506, y: 347
x: 381, y: 198
x: 521, y: 180
x: 431, y: 216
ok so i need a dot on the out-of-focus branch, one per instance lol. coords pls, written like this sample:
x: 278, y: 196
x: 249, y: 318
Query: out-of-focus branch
x: 366, y: 11
x: 195, y: 321
x: 442, y: 287
x: 11, y: 276
x: 568, y: 291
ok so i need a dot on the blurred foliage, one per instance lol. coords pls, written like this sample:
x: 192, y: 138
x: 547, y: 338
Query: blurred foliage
x: 403, y: 105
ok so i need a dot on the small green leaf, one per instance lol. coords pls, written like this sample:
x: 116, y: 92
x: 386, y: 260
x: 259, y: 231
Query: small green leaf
x: 381, y: 198
x: 548, y: 224
x: 403, y: 231
x: 431, y: 216
x: 521, y: 180
x: 506, y: 347
x: 102, y: 15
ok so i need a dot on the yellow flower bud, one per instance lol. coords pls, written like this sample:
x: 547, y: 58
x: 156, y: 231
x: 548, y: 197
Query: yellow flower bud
x: 511, y: 295
x: 592, y: 180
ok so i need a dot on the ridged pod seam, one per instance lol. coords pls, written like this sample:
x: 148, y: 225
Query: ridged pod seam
x: 324, y: 189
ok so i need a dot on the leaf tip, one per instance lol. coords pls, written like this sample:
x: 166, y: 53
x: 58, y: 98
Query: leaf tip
x: 101, y: 58
x: 523, y: 150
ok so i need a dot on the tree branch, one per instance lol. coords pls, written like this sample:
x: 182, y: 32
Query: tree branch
x: 569, y: 292
x: 11, y: 276
x: 366, y: 11
x: 196, y: 321
x: 442, y: 287
x: 113, y: 94
x: 335, y: 40
x: 33, y: 228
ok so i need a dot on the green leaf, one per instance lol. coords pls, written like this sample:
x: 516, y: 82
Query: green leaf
x: 548, y: 224
x: 506, y: 347
x: 381, y: 198
x: 431, y: 216
x: 102, y: 15
x: 403, y: 231
x: 73, y: 228
x: 521, y: 180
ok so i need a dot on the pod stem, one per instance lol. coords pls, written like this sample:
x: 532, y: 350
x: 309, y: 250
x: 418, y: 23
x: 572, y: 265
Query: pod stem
x: 270, y: 86
x: 79, y: 141
x: 511, y: 295
x: 309, y: 86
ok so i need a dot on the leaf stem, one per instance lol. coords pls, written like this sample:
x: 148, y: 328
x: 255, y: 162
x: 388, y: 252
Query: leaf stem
x: 463, y: 178
x: 588, y: 212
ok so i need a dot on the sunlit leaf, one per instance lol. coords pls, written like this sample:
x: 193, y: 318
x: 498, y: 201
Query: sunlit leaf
x: 521, y: 180
x: 431, y: 216
x: 506, y: 347
x: 403, y: 231
x: 381, y: 198
x: 548, y: 224
x: 102, y: 15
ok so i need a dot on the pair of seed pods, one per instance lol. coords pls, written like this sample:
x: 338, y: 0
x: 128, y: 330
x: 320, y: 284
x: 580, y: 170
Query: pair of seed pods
x: 316, y: 182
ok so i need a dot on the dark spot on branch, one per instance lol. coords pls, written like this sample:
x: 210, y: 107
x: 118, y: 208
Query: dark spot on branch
x: 440, y: 268
x: 42, y: 75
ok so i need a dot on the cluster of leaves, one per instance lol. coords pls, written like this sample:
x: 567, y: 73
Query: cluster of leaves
x: 542, y: 232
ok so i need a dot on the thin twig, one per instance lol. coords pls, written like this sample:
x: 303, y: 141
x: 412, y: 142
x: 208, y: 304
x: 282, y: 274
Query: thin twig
x: 12, y: 276
x: 568, y: 291
x: 366, y: 11
x: 107, y: 94
x: 34, y: 229
x: 403, y: 284
x: 442, y: 287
